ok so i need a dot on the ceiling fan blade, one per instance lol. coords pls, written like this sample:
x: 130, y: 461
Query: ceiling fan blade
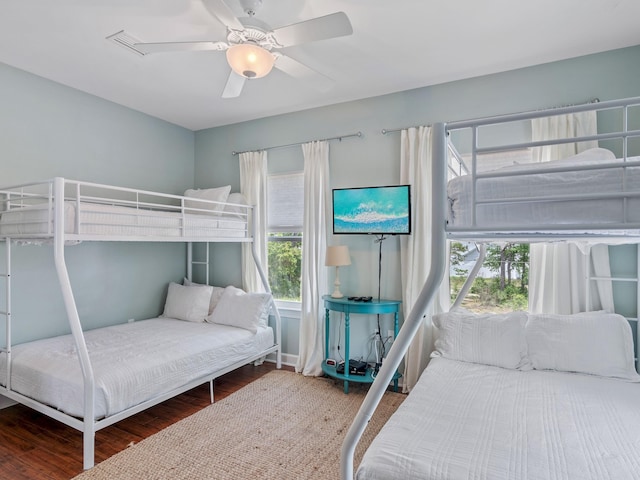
x: 234, y: 85
x: 300, y: 71
x: 223, y: 13
x: 161, y: 47
x: 321, y: 28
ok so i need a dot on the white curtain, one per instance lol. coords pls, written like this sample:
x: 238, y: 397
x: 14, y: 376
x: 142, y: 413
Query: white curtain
x: 557, y: 279
x: 415, y: 254
x: 558, y: 271
x: 563, y: 126
x: 253, y: 185
x: 314, y: 245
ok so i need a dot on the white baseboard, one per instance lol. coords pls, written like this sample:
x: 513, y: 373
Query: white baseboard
x: 287, y: 359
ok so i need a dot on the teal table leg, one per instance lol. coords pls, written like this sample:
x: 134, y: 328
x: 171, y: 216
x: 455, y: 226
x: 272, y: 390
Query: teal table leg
x: 395, y: 334
x: 347, y: 341
x: 326, y: 333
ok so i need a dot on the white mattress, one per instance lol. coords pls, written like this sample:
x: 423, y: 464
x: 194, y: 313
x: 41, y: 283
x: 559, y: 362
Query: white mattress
x: 132, y: 362
x: 466, y: 421
x: 518, y: 216
x: 101, y: 219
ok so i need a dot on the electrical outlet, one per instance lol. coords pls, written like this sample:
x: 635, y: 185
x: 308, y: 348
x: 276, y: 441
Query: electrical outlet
x: 390, y: 334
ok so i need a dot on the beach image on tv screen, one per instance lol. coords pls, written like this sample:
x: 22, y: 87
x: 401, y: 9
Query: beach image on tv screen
x: 371, y: 210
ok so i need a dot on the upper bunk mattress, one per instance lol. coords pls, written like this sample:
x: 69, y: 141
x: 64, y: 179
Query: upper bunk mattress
x: 103, y: 219
x: 132, y: 362
x: 534, y: 198
x: 468, y: 421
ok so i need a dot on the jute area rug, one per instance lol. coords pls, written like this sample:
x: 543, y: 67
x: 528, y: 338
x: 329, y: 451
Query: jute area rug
x: 282, y: 426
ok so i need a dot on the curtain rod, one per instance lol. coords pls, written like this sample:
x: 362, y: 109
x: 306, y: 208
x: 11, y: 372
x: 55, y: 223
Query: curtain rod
x: 357, y: 134
x: 593, y: 100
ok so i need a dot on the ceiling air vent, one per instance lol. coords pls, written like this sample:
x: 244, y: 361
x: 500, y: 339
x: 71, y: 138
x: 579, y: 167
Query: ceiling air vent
x: 125, y: 40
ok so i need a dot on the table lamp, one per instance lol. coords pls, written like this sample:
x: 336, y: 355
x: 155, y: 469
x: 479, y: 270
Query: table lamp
x: 337, y: 256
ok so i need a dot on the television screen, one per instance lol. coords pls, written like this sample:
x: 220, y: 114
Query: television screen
x: 372, y: 210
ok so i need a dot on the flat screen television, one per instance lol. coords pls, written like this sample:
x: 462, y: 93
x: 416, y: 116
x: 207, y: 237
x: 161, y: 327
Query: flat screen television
x: 372, y: 210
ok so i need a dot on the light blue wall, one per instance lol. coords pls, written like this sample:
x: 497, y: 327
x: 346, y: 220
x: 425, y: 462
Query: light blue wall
x: 48, y: 130
x: 374, y: 159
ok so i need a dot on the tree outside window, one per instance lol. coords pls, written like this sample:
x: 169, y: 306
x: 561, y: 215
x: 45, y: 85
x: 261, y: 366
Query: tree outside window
x: 503, y: 282
x: 285, y: 263
x: 285, y: 198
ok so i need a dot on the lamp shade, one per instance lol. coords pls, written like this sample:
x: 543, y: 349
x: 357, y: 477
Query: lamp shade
x: 337, y: 256
x: 249, y: 60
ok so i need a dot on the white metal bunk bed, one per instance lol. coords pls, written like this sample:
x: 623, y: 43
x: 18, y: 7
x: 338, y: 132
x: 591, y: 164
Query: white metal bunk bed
x: 486, y: 218
x: 65, y: 212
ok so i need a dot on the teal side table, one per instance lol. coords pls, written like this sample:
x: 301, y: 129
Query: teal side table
x: 346, y: 306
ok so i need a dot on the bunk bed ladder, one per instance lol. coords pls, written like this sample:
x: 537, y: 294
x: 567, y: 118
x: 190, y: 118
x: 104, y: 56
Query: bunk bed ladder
x: 274, y: 308
x: 621, y: 279
x: 6, y: 313
x: 191, y: 262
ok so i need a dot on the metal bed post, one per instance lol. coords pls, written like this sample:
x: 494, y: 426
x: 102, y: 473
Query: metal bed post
x: 415, y: 317
x: 462, y: 294
x: 265, y: 284
x: 191, y: 262
x: 7, y: 312
x: 74, y: 324
x: 638, y: 307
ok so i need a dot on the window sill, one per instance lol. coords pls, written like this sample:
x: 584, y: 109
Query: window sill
x: 289, y: 309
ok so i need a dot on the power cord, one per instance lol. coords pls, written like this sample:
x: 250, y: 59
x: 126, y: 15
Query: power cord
x: 340, y: 337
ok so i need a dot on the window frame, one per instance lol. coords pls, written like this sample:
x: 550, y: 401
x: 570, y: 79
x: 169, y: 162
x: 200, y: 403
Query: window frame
x: 291, y: 307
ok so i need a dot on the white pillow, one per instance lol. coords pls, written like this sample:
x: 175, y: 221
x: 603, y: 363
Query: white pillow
x: 236, y: 198
x: 187, y: 303
x: 239, y: 309
x: 219, y: 194
x: 596, y: 343
x: 215, y: 294
x: 490, y: 339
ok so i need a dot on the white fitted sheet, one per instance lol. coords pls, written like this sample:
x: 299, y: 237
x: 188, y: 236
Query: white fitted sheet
x: 467, y: 421
x: 518, y: 216
x: 132, y: 362
x: 102, y: 219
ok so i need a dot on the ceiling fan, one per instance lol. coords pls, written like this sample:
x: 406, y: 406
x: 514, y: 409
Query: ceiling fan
x: 251, y: 46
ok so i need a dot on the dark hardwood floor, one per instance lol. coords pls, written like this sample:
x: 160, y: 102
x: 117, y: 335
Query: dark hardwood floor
x: 36, y: 447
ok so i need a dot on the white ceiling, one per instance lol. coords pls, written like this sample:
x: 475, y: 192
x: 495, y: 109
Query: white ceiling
x: 396, y: 45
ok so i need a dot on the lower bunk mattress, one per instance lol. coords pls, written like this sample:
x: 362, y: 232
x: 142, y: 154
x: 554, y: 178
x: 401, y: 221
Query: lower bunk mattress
x: 132, y: 362
x: 470, y: 421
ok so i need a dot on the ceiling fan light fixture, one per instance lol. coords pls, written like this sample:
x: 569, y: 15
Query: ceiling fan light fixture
x: 249, y: 60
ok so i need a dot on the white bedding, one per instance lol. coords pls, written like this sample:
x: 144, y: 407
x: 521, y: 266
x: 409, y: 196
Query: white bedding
x: 469, y: 421
x: 101, y: 219
x: 518, y: 216
x: 132, y: 362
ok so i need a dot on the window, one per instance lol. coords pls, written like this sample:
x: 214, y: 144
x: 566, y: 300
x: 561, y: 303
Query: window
x: 285, y: 193
x: 502, y: 283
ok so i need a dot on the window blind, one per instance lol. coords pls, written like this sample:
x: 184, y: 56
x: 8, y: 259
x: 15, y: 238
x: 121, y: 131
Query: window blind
x: 285, y: 194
